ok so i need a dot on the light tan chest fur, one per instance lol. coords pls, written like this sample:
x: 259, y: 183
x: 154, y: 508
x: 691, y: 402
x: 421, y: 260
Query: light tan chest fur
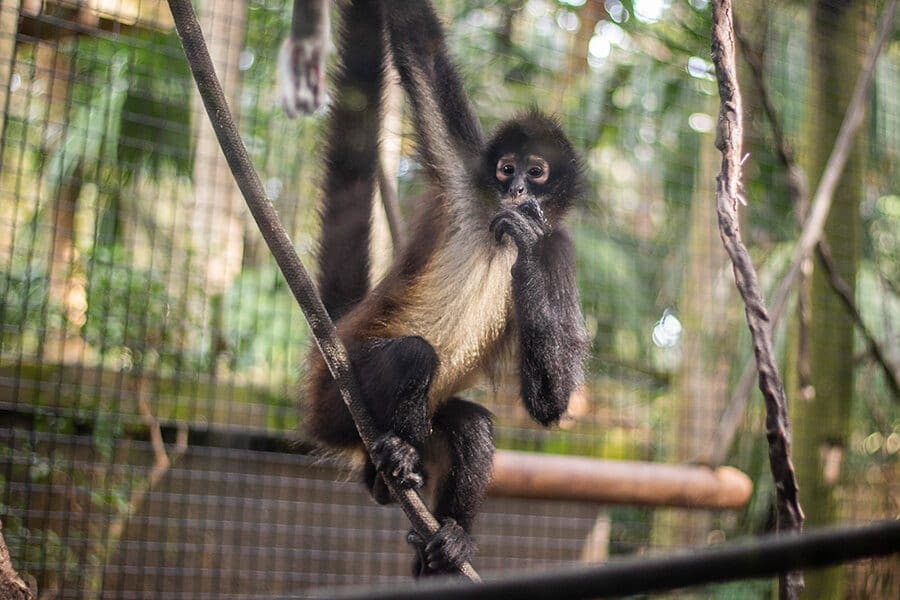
x: 460, y: 304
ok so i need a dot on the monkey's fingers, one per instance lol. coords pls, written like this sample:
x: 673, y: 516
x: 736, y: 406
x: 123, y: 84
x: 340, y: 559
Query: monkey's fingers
x: 532, y: 208
x: 524, y: 230
x: 508, y: 222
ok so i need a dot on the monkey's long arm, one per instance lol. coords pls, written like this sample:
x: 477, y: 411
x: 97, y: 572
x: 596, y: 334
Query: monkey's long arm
x: 301, y: 61
x: 449, y: 133
x: 553, y: 340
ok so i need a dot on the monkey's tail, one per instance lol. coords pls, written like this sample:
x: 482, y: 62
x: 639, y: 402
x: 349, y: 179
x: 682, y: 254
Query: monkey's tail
x: 351, y: 157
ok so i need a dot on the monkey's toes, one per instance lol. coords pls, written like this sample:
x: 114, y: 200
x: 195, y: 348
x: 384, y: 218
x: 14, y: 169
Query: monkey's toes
x: 397, y: 459
x: 450, y: 547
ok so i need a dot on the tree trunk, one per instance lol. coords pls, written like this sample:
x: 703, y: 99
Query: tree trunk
x: 9, y: 19
x: 217, y: 227
x: 66, y: 278
x: 821, y: 370
x: 702, y: 376
x: 589, y: 16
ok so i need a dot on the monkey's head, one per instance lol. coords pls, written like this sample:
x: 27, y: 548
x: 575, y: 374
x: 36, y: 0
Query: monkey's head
x: 530, y: 158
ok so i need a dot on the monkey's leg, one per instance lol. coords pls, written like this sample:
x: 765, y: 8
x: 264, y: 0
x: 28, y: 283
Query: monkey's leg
x: 394, y: 375
x: 463, y: 437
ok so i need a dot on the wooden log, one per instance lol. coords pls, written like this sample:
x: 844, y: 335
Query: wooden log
x: 554, y: 477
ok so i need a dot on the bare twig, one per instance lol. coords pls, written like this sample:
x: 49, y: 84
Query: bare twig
x: 162, y: 462
x: 729, y: 139
x: 814, y: 224
x: 846, y: 294
x: 279, y: 243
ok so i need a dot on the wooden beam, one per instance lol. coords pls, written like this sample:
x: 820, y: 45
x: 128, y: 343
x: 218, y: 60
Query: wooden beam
x: 554, y: 477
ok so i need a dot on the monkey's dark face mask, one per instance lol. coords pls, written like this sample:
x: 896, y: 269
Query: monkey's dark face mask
x: 530, y: 159
x: 521, y: 177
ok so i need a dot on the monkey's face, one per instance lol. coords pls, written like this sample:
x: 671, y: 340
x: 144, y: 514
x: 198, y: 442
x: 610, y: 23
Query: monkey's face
x: 521, y: 177
x: 531, y: 159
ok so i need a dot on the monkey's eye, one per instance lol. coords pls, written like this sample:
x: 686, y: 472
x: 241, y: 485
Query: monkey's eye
x: 538, y: 169
x: 505, y: 170
x: 506, y: 166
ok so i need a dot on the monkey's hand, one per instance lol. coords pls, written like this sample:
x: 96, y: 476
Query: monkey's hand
x: 397, y: 460
x: 524, y: 224
x: 301, y: 74
x: 449, y: 548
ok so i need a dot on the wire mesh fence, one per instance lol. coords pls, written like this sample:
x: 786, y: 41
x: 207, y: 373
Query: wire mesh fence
x: 150, y: 352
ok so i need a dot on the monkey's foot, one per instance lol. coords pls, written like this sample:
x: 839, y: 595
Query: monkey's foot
x: 449, y: 548
x: 396, y: 459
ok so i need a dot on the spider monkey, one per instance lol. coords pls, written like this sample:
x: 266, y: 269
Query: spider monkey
x: 488, y: 271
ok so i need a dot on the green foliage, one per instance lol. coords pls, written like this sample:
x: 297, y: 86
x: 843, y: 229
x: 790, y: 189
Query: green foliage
x: 93, y: 128
x: 128, y: 306
x: 124, y: 111
x: 24, y: 298
x: 748, y: 589
x: 882, y: 242
x: 156, y: 111
x: 616, y: 287
x: 263, y: 325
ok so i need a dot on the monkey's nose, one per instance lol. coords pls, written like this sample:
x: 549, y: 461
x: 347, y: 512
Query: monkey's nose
x: 520, y: 190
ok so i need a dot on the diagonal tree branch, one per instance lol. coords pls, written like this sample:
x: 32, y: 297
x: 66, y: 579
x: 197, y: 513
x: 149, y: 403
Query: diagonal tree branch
x: 798, y: 190
x: 846, y: 294
x: 813, y: 226
x: 729, y: 138
x: 283, y: 250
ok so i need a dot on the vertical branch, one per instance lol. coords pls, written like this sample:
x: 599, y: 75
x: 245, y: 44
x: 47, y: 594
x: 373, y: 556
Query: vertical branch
x: 729, y: 137
x: 391, y: 203
x: 389, y: 158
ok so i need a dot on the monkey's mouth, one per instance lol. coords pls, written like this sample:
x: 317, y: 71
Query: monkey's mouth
x: 514, y: 200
